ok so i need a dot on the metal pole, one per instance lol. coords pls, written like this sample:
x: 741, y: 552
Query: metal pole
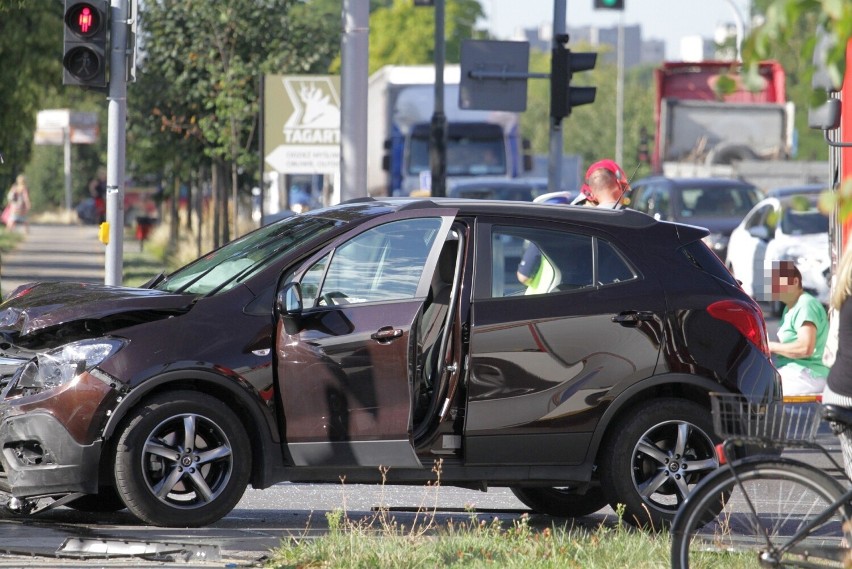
x: 619, y: 95
x: 438, y: 133
x: 117, y: 117
x: 554, y: 165
x: 66, y: 147
x: 353, y: 85
x: 740, y: 27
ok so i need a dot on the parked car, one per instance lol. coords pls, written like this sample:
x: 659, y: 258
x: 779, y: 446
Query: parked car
x: 375, y: 340
x: 779, y: 228
x: 718, y: 204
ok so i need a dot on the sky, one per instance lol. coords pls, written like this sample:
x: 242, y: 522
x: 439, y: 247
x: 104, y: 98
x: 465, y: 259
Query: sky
x: 668, y: 20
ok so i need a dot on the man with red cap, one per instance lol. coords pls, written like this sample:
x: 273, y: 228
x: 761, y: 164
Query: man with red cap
x: 606, y: 184
x: 605, y: 187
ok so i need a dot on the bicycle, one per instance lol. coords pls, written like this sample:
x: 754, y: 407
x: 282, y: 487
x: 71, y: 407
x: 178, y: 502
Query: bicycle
x: 770, y: 509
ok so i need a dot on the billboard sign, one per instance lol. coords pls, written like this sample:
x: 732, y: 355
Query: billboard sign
x: 302, y: 123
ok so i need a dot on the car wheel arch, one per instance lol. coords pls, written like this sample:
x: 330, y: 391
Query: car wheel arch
x: 691, y: 387
x: 266, y: 451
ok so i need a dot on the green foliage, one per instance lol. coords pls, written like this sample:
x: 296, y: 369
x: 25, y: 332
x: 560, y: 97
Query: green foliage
x: 793, y: 24
x: 789, y: 35
x: 590, y: 130
x: 402, y: 34
x: 31, y: 71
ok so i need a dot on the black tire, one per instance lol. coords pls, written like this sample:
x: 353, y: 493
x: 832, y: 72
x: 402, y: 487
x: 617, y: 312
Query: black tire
x: 655, y: 456
x: 717, y: 524
x: 198, y: 481
x: 561, y: 503
x: 106, y: 500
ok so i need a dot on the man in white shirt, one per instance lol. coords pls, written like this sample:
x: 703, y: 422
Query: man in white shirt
x: 606, y: 184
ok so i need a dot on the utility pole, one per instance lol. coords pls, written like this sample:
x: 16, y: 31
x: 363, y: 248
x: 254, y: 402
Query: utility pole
x: 554, y: 164
x: 116, y: 138
x: 353, y: 85
x: 438, y: 132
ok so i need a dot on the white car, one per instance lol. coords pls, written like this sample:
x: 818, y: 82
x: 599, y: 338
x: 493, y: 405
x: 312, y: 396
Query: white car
x: 782, y: 226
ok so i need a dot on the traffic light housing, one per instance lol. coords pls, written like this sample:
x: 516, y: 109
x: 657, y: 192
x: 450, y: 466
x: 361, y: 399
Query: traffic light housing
x: 609, y: 4
x: 563, y: 97
x: 84, y: 59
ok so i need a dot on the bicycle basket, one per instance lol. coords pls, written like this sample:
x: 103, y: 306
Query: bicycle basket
x: 734, y: 417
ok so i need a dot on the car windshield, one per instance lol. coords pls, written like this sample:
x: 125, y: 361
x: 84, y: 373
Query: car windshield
x: 720, y: 201
x: 803, y: 218
x: 224, y: 268
x: 465, y: 156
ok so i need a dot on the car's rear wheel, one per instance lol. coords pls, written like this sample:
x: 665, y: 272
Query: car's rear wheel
x: 183, y: 459
x: 655, y: 456
x: 560, y: 502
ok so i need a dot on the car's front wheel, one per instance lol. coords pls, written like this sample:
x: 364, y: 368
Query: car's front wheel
x: 560, y: 502
x: 655, y: 456
x: 183, y: 459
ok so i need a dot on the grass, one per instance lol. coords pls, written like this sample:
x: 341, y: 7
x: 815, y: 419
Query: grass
x: 471, y: 543
x: 9, y: 239
x: 379, y: 541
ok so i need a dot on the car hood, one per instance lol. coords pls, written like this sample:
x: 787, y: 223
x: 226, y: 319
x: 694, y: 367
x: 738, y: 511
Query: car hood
x: 814, y: 244
x: 44, y: 305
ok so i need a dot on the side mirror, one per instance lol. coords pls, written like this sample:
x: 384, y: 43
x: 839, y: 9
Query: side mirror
x: 826, y: 116
x: 288, y: 306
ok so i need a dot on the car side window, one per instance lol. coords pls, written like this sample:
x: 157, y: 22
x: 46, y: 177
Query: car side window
x: 527, y: 261
x: 383, y: 263
x: 612, y: 268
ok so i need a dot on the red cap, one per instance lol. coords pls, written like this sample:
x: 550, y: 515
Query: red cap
x: 606, y: 164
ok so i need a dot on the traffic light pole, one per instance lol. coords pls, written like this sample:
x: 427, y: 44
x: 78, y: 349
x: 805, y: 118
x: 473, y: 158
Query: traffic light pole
x: 554, y: 164
x: 116, y: 137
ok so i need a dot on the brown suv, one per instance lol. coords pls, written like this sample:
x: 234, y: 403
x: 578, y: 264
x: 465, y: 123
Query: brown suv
x: 385, y: 333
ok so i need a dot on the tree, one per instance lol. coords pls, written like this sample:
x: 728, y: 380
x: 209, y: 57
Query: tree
x: 590, y: 130
x: 200, y: 76
x: 786, y: 23
x: 792, y: 23
x: 402, y: 34
x: 32, y: 52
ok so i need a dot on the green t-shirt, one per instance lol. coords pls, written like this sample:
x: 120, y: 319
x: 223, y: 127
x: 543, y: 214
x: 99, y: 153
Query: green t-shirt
x: 806, y: 309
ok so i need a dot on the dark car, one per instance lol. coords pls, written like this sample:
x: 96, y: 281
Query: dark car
x: 518, y: 189
x: 719, y: 204
x: 394, y: 334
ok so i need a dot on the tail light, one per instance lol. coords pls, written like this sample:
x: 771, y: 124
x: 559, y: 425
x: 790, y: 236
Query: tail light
x: 746, y: 318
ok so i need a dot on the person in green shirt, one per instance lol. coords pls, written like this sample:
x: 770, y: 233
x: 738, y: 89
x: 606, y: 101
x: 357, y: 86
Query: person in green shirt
x: 801, y: 334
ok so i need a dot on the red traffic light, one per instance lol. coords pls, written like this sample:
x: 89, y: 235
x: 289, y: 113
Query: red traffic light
x: 85, y: 52
x: 83, y: 20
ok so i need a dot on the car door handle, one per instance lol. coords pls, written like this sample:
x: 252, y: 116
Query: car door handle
x: 633, y: 317
x: 386, y: 334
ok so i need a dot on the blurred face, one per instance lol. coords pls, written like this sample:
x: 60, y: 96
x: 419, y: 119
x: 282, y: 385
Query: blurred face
x: 783, y: 286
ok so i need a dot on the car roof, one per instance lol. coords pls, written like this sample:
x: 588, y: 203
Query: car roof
x: 806, y: 189
x: 697, y: 182
x: 373, y: 207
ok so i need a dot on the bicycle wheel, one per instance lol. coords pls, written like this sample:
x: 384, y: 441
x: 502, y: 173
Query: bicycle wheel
x: 717, y: 526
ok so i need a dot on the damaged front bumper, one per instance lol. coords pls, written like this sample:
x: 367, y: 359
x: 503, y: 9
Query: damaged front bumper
x: 39, y: 457
x: 50, y: 439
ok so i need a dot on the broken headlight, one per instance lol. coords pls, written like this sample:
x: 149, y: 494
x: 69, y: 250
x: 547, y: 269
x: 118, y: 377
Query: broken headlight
x: 60, y: 365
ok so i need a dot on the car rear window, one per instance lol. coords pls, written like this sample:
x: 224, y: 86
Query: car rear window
x: 701, y: 257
